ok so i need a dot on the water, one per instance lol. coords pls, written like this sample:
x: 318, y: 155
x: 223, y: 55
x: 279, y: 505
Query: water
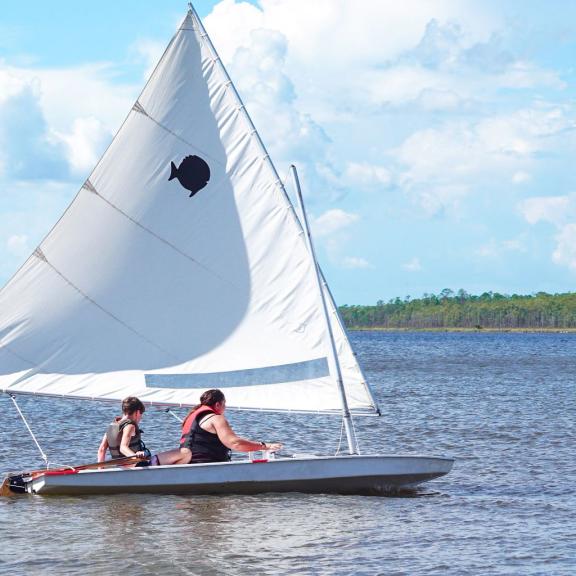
x: 504, y: 405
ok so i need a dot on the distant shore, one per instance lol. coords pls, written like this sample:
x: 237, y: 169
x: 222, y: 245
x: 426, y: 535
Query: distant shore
x: 459, y: 311
x: 455, y: 329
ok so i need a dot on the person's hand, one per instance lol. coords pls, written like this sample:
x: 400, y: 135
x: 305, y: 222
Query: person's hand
x: 140, y: 454
x: 274, y: 447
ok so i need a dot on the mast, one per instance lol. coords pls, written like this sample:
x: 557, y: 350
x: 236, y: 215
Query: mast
x: 350, y: 434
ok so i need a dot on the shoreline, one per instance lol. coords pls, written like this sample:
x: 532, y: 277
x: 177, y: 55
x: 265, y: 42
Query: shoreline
x: 456, y: 329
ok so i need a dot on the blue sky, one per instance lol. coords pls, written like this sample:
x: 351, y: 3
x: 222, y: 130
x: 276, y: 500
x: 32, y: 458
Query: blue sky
x: 435, y: 140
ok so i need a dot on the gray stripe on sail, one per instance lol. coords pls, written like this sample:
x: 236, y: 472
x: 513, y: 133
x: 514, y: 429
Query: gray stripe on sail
x: 251, y: 377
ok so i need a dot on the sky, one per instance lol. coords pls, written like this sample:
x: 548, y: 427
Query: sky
x: 435, y: 139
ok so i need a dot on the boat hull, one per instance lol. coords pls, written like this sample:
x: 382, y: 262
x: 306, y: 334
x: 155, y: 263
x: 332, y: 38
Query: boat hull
x: 370, y: 475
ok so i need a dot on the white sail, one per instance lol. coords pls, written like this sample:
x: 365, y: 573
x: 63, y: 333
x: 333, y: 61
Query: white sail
x: 179, y: 266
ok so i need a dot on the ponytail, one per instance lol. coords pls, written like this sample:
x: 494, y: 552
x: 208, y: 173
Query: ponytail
x: 209, y: 398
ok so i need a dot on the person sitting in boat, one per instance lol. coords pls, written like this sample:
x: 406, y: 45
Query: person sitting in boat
x: 123, y: 438
x: 209, y: 436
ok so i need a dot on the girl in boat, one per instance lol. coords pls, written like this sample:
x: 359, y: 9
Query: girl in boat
x: 123, y: 438
x: 208, y: 436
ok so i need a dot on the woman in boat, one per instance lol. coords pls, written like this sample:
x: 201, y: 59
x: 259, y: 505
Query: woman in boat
x: 209, y: 436
x: 123, y: 438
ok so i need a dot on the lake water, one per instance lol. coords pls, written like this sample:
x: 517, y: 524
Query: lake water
x: 504, y: 405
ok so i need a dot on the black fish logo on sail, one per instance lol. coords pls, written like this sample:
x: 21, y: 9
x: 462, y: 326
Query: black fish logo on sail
x: 193, y: 173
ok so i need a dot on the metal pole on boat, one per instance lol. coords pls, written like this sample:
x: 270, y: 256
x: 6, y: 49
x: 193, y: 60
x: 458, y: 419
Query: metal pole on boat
x: 350, y: 434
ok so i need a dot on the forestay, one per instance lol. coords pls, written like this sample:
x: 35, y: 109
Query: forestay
x: 179, y: 266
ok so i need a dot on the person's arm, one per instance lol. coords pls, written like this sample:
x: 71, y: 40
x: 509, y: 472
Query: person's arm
x: 231, y: 440
x: 127, y: 434
x: 102, y: 449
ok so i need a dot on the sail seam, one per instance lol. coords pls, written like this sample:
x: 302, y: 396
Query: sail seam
x: 178, y: 137
x: 139, y: 108
x: 99, y: 161
x: 110, y: 314
x: 89, y: 186
x: 8, y: 349
x: 163, y: 240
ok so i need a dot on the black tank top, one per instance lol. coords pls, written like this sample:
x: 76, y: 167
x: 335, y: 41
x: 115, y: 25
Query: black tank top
x: 205, y: 446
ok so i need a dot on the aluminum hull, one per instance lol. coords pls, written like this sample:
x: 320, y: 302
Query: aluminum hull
x: 370, y: 475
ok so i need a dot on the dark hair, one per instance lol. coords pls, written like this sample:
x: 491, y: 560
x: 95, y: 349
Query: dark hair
x: 131, y: 404
x: 209, y: 398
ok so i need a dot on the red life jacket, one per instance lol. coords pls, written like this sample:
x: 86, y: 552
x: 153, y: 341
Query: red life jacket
x: 189, y: 421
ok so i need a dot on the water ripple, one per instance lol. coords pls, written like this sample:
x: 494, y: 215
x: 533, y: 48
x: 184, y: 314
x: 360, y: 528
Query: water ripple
x: 502, y: 404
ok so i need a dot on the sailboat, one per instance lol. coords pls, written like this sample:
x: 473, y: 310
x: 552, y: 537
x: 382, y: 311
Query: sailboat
x: 183, y: 265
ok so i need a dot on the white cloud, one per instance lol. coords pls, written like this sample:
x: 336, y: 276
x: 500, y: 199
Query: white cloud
x: 65, y: 94
x: 524, y: 132
x: 365, y: 174
x: 268, y: 93
x: 332, y: 229
x: 527, y: 75
x: 552, y: 209
x: 17, y: 245
x: 413, y: 265
x: 565, y: 252
x: 431, y: 99
x: 438, y: 167
x: 11, y: 84
x: 354, y: 262
x: 47, y: 118
x: 443, y: 56
x: 28, y: 210
x: 333, y: 221
x: 560, y: 212
x: 230, y: 24
x: 372, y: 56
x: 28, y: 149
x: 448, y: 57
x: 150, y: 52
x: 521, y: 177
x: 495, y: 248
x: 85, y: 143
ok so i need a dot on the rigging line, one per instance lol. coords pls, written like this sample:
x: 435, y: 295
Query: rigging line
x: 163, y: 240
x: 340, y: 440
x: 110, y: 314
x: 356, y: 436
x: 42, y: 453
x: 169, y: 411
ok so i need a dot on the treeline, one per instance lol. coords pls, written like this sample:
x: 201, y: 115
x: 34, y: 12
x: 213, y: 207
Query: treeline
x: 462, y: 310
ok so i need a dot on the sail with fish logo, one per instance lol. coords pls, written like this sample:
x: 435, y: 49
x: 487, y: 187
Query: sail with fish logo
x: 180, y: 265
